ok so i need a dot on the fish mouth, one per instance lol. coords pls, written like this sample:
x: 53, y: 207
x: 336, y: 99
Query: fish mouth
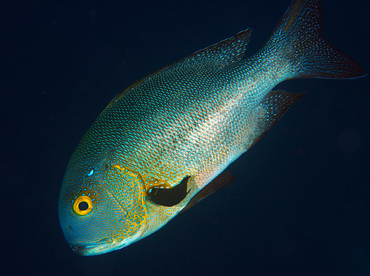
x: 96, y: 249
x: 105, y: 245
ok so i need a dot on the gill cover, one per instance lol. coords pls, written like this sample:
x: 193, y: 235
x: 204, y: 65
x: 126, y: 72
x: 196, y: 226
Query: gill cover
x: 128, y: 189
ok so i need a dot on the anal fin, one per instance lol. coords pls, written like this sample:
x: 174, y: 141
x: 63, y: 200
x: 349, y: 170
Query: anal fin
x: 275, y: 104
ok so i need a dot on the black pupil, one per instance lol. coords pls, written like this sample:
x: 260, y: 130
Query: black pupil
x: 83, y: 205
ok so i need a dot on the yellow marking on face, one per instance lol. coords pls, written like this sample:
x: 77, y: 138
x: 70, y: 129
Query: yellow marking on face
x: 148, y: 182
x: 131, y: 198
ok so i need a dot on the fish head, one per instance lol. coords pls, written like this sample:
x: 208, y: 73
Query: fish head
x: 102, y: 209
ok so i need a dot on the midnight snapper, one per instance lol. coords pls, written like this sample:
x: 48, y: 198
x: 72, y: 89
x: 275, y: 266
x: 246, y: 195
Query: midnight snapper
x: 163, y: 143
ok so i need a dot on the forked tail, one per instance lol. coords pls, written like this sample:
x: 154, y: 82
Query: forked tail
x: 298, y: 39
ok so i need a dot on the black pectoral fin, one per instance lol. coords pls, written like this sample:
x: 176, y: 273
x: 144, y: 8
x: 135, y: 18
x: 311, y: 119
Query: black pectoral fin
x: 221, y: 181
x: 169, y: 197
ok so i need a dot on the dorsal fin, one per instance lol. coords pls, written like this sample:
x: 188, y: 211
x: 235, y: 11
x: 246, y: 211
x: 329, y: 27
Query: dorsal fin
x: 216, y: 56
x: 221, y: 181
x: 223, y: 53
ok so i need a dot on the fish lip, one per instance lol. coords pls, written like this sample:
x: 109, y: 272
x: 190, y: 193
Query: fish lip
x: 81, y: 249
x: 85, y: 249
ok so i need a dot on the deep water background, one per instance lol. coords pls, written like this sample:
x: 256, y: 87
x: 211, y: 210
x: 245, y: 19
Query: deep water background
x: 300, y: 202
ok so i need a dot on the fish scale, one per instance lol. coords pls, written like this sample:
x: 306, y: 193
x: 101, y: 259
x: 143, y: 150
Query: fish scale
x: 162, y: 145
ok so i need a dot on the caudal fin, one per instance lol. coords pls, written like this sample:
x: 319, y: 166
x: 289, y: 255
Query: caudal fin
x: 298, y: 39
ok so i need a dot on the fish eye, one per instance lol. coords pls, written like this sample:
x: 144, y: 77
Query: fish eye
x: 82, y: 205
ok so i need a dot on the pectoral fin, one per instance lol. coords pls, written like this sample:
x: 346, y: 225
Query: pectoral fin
x: 169, y: 197
x: 221, y: 181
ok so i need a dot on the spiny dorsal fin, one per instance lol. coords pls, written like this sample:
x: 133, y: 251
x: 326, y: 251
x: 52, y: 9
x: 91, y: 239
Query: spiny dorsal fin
x: 275, y: 104
x: 221, y: 181
x: 216, y: 56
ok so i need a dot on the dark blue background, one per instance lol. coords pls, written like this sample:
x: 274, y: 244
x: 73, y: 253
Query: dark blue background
x: 300, y: 202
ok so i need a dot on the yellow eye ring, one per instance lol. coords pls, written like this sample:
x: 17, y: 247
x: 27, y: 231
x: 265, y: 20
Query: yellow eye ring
x: 82, y: 205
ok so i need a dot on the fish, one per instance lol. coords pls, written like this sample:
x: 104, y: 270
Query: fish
x: 163, y: 144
